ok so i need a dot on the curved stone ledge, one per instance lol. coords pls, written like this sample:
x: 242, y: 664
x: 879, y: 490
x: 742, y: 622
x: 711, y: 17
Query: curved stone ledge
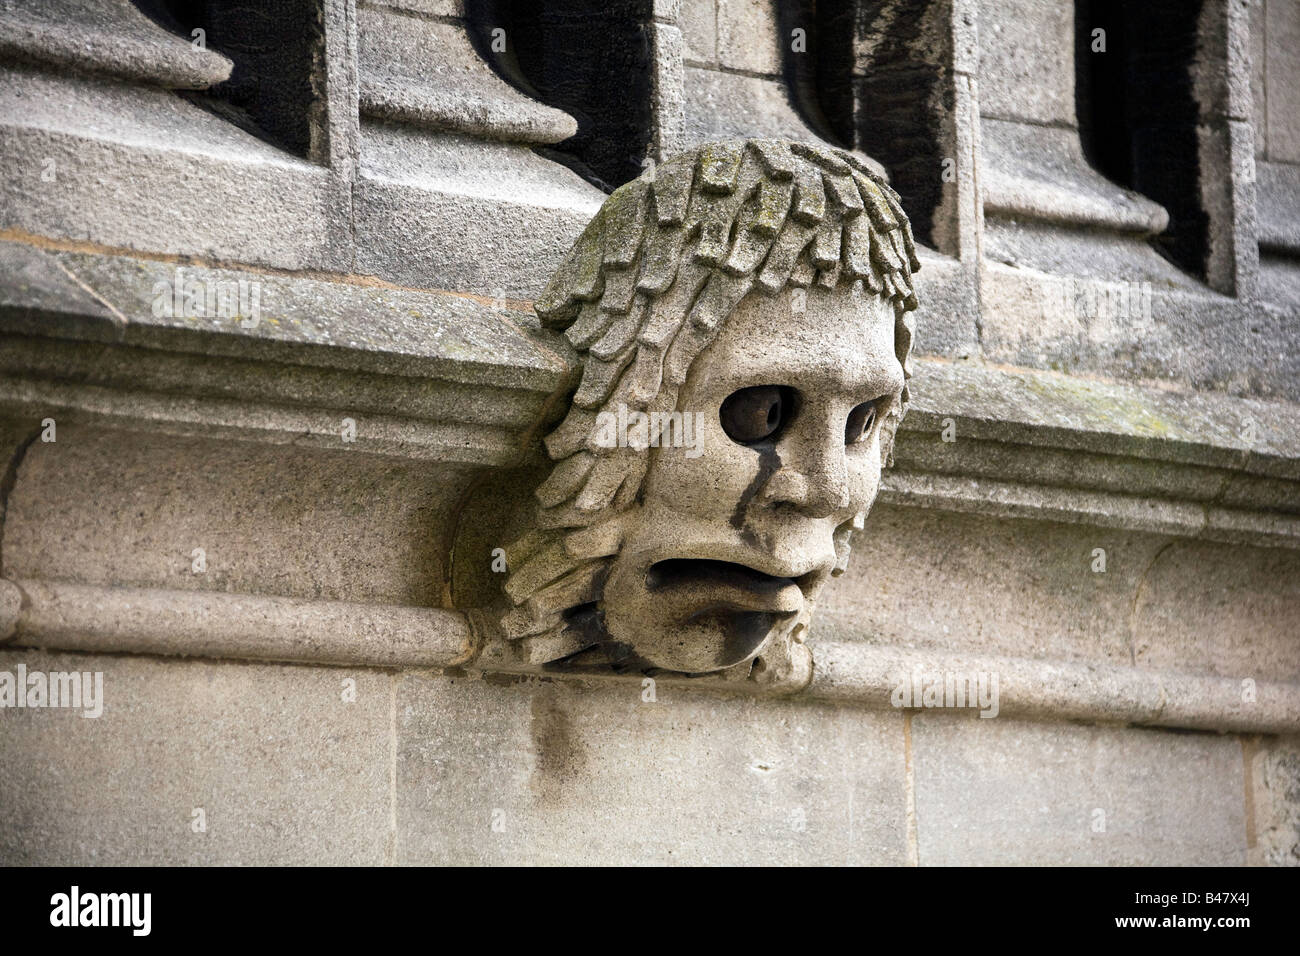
x: 868, y: 674
x: 427, y: 73
x: 1039, y: 173
x: 74, y: 617
x: 108, y: 36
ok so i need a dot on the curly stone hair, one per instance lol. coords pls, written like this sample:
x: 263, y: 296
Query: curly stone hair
x: 642, y: 293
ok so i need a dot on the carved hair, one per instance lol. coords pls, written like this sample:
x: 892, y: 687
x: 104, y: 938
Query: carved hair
x: 643, y: 292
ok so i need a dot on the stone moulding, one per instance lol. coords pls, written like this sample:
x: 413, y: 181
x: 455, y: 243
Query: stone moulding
x: 78, y: 337
x: 74, y: 301
x: 427, y: 73
x: 118, y: 40
x: 251, y: 626
x: 53, y: 615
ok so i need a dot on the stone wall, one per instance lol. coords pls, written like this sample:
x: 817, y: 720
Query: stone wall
x: 271, y: 526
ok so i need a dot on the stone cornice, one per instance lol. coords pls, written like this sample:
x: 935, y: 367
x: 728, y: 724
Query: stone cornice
x: 442, y: 376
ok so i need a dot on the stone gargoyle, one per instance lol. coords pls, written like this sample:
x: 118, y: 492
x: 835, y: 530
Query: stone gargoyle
x: 742, y: 315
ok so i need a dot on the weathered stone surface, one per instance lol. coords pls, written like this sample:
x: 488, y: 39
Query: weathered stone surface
x: 1242, y: 605
x: 945, y: 318
x: 1027, y: 61
x: 1047, y: 319
x: 730, y: 105
x: 38, y: 292
x: 165, y: 175
x: 427, y: 73
x: 747, y: 37
x: 490, y: 218
x: 243, y: 504
x: 1108, y: 417
x: 1258, y: 71
x: 669, y: 113
x: 1279, y: 211
x: 570, y: 773
x: 667, y: 10
x: 285, y: 770
x: 350, y: 324
x: 1040, y: 175
x: 955, y: 582
x: 699, y: 25
x: 1282, y: 66
x: 1274, y: 799
x: 437, y: 8
x: 999, y: 792
x: 107, y: 36
x: 1279, y: 278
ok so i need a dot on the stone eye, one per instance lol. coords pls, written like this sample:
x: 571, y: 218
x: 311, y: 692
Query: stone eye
x: 753, y: 415
x: 859, y: 424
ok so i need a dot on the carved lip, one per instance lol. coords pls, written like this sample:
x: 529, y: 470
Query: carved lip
x: 719, y: 585
x: 802, y: 569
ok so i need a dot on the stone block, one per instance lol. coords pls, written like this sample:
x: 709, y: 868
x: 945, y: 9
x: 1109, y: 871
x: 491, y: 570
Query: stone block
x: 1282, y: 42
x: 945, y: 318
x: 1027, y: 60
x: 447, y: 212
x: 734, y: 106
x: 1274, y: 800
x: 163, y: 175
x: 748, y: 38
x: 1258, y: 87
x: 1226, y: 611
x: 999, y: 792
x: 284, y: 769
x: 699, y: 26
x: 529, y: 771
x: 1185, y: 337
x: 128, y: 509
x: 956, y: 582
x: 669, y: 107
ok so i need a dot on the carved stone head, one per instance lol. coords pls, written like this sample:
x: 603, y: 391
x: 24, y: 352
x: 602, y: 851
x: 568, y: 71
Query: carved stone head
x: 742, y: 313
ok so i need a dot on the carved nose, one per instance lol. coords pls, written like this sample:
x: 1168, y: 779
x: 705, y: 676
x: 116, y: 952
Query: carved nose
x: 817, y: 491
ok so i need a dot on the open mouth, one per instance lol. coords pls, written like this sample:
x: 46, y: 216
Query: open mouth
x: 715, y: 613
x: 725, y: 574
x: 731, y: 607
x: 725, y: 584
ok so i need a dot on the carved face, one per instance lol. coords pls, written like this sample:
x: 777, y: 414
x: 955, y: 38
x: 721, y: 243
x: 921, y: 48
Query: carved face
x: 733, y: 542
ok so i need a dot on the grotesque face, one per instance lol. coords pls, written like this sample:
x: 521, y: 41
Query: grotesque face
x: 702, y: 554
x: 731, y: 544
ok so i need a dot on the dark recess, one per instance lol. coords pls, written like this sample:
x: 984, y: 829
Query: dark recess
x: 804, y: 70
x: 277, y: 47
x: 1138, y: 115
x: 590, y: 58
x: 889, y: 113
